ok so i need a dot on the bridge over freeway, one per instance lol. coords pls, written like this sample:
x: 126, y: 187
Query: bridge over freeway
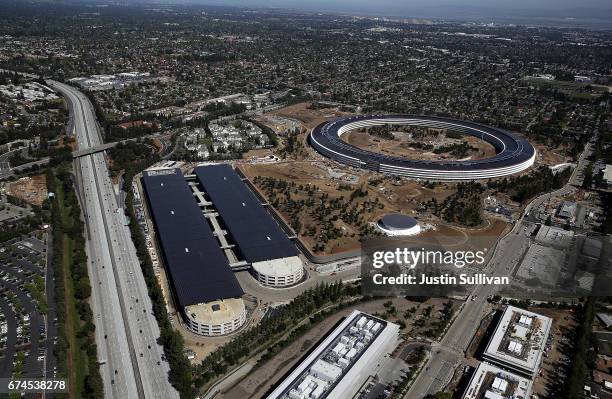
x: 92, y: 150
x: 6, y: 170
x: 106, y: 146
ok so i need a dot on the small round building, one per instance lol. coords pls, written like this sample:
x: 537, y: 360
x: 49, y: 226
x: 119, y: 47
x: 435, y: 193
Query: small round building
x: 215, y: 318
x: 279, y: 273
x: 396, y: 224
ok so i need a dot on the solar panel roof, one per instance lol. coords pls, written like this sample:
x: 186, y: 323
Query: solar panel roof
x: 256, y: 233
x: 197, y: 267
x: 511, y: 149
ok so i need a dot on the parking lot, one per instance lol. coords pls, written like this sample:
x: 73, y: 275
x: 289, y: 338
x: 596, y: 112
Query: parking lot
x: 11, y: 212
x: 27, y: 313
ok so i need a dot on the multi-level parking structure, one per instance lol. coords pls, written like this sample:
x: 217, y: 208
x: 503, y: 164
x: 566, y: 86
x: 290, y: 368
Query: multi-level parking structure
x: 513, y: 154
x: 206, y: 292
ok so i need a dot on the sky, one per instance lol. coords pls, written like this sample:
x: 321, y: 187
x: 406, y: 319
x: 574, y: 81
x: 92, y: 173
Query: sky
x: 448, y: 9
x: 414, y: 7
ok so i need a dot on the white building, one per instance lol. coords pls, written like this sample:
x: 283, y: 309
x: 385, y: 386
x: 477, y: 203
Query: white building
x: 235, y: 136
x: 519, y: 341
x: 325, y: 371
x: 220, y: 317
x: 396, y: 224
x: 338, y: 367
x: 491, y: 382
x: 202, y: 151
x: 607, y: 175
x: 279, y: 273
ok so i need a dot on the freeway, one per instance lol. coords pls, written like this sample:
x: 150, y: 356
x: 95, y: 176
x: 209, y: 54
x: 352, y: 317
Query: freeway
x: 132, y: 364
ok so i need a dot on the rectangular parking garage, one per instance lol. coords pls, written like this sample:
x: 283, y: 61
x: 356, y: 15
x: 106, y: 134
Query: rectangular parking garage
x: 259, y: 239
x: 197, y: 269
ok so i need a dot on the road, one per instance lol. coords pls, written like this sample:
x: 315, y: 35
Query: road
x: 126, y: 329
x: 450, y: 351
x: 5, y: 167
x: 107, y: 146
x: 269, y: 295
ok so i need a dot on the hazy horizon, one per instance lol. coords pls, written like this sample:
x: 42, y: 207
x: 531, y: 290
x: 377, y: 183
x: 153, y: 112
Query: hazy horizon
x: 595, y: 14
x: 561, y: 12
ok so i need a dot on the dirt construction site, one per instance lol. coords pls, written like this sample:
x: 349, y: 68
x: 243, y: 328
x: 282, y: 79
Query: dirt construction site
x: 32, y: 190
x: 404, y: 144
x: 292, y: 183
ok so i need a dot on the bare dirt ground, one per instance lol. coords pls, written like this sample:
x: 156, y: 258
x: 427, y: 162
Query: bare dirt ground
x: 461, y: 238
x: 32, y: 190
x: 309, y: 117
x: 401, y: 148
x: 157, y: 143
x: 550, y: 156
x: 396, y: 195
x: 256, y: 154
x: 403, y: 197
x: 548, y: 378
x: 262, y: 378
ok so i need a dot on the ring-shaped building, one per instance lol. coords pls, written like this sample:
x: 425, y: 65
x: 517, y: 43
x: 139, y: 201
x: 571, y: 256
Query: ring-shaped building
x: 513, y: 154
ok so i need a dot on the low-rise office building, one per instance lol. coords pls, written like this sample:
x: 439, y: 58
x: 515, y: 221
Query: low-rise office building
x: 519, y: 341
x: 491, y: 382
x: 338, y: 366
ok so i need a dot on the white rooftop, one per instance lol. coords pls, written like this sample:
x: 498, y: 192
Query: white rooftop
x: 491, y: 382
x: 325, y: 371
x: 526, y: 320
x: 608, y: 174
x: 500, y: 384
x: 515, y: 347
x: 520, y: 332
x: 345, y: 358
x: 279, y: 267
x: 507, y: 346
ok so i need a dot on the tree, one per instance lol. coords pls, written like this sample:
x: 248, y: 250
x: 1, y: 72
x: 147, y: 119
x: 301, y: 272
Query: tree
x: 441, y: 395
